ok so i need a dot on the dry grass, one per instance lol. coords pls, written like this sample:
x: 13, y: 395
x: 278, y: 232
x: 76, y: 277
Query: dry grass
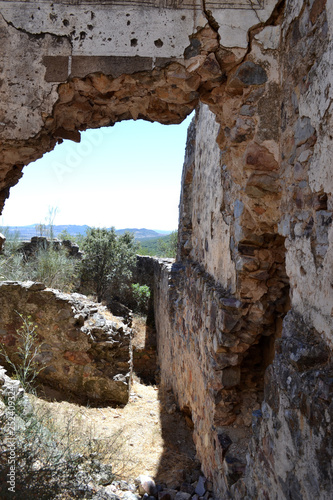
x: 149, y: 440
x: 143, y: 436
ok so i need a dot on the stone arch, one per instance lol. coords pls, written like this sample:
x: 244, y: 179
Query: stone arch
x: 237, y: 84
x: 75, y: 66
x: 241, y: 87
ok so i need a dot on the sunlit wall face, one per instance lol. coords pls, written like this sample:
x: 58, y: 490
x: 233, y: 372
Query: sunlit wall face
x: 124, y: 176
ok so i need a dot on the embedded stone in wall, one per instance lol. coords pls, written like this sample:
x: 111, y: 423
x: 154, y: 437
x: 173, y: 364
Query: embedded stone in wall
x: 81, y: 352
x: 291, y: 450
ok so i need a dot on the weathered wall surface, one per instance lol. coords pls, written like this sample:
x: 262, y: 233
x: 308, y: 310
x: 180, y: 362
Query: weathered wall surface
x: 88, y: 64
x: 227, y: 293
x: 202, y: 187
x: 82, y: 353
x: 250, y: 297
x: 308, y: 162
x: 291, y: 452
x: 29, y: 248
x: 272, y: 182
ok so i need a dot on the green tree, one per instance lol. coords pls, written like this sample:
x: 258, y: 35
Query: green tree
x: 64, y: 235
x: 167, y: 246
x: 108, y: 264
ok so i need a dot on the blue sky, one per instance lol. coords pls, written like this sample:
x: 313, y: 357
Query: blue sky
x: 124, y: 176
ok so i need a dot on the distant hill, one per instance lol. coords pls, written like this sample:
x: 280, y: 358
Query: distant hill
x: 27, y: 232
x: 157, y: 246
x: 141, y: 234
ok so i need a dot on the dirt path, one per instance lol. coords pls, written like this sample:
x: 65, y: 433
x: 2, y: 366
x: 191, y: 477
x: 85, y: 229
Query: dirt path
x: 149, y: 437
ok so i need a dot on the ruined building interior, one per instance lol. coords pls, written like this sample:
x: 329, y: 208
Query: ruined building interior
x: 244, y: 316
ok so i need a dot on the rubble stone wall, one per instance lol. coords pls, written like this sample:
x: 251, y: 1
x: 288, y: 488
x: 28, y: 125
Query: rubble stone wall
x: 266, y: 195
x: 81, y: 353
x: 88, y: 63
x: 227, y: 295
x: 291, y: 451
x: 244, y: 316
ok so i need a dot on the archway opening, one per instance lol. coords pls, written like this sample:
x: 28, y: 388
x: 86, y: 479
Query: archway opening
x: 126, y: 176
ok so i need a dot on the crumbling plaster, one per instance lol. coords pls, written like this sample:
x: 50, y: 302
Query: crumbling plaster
x: 255, y: 210
x: 52, y: 42
x: 309, y: 91
x: 209, y: 226
x: 107, y: 27
x: 170, y: 72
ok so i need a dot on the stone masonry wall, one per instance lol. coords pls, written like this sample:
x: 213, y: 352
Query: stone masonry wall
x: 89, y: 63
x: 227, y: 294
x: 267, y: 197
x: 82, y: 353
x: 244, y: 317
x: 291, y: 451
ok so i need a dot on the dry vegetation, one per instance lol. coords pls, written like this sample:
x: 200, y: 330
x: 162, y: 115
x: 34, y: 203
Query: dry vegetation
x: 149, y: 440
x: 148, y: 436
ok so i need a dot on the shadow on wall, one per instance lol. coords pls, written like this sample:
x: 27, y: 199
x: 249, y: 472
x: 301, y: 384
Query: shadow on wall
x: 217, y: 385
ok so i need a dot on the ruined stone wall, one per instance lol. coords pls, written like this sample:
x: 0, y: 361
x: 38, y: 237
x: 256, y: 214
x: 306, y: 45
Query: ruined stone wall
x: 291, y: 452
x: 222, y: 293
x: 81, y: 353
x: 250, y: 296
x: 272, y: 182
x: 307, y: 37
x: 88, y: 63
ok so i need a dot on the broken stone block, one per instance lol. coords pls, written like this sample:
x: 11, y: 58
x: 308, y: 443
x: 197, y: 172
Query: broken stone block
x: 201, y: 486
x: 231, y: 376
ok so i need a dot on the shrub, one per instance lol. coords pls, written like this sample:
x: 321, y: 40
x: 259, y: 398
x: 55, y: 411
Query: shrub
x: 52, y: 457
x: 141, y: 296
x: 52, y: 267
x: 12, y: 267
x: 54, y: 460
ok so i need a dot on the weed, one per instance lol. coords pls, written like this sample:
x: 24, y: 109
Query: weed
x: 26, y: 368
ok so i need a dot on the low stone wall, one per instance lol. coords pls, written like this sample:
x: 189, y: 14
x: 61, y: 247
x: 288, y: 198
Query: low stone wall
x: 199, y: 329
x: 82, y: 353
x: 145, y: 274
x: 30, y: 248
